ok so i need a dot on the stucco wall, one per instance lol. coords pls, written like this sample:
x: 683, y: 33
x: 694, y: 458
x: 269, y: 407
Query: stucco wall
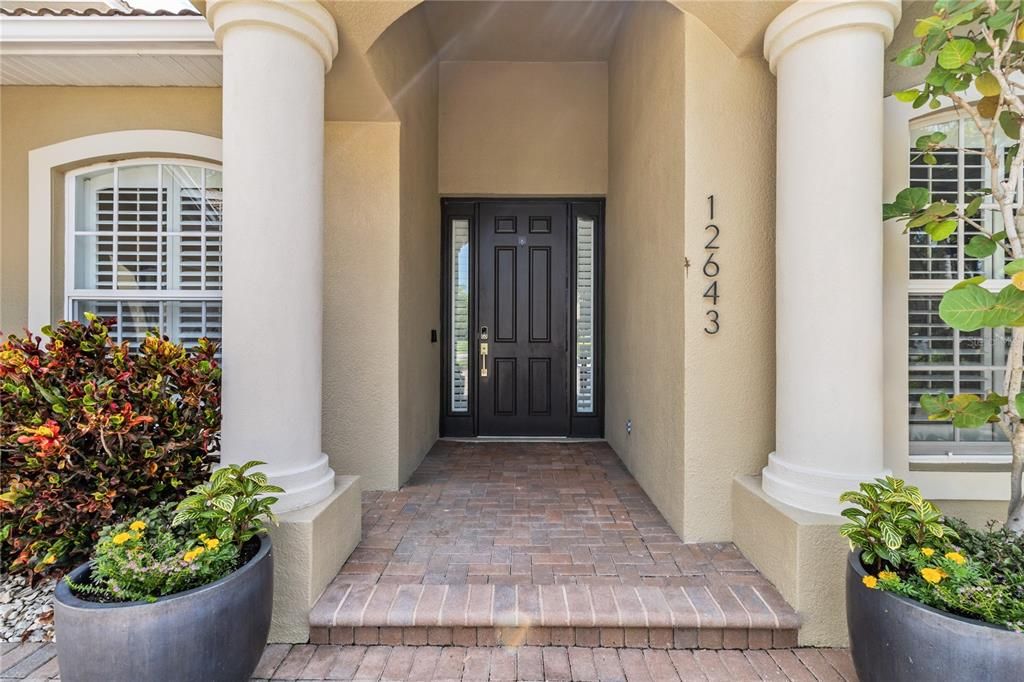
x: 361, y: 285
x: 32, y: 117
x: 524, y: 128
x: 645, y: 321
x: 404, y: 63
x: 730, y: 376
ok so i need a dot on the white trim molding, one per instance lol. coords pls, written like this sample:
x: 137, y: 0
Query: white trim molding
x: 62, y: 156
x: 92, y: 35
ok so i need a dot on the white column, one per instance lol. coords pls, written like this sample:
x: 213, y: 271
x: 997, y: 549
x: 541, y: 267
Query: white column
x: 275, y: 58
x: 828, y: 57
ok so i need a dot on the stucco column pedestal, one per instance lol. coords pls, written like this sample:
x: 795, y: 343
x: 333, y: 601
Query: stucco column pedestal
x: 275, y: 57
x: 828, y: 58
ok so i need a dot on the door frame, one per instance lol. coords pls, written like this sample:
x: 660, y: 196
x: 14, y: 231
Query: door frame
x: 465, y: 424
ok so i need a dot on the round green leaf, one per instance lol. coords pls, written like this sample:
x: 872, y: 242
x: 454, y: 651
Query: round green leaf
x: 987, y: 85
x: 955, y: 54
x: 980, y: 246
x: 927, y: 25
x: 965, y: 308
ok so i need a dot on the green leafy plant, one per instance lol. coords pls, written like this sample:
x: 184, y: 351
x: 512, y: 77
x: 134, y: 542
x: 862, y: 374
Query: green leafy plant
x: 93, y: 431
x: 1001, y: 551
x: 910, y: 549
x: 890, y: 518
x: 977, y: 44
x: 145, y: 558
x: 232, y: 506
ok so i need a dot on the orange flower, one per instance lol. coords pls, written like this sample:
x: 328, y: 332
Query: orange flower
x: 870, y: 581
x: 932, y: 575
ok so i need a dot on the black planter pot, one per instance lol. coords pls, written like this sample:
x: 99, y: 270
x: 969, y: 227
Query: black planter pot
x: 893, y: 638
x: 214, y: 633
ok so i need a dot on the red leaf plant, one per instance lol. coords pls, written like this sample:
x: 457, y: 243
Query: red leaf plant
x: 92, y: 431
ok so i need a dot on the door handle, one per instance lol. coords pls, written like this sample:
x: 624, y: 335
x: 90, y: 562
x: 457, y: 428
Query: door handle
x: 483, y: 352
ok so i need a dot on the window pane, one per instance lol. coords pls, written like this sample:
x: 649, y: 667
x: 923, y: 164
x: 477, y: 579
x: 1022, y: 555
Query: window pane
x: 140, y: 201
x: 94, y: 201
x: 585, y: 315
x: 460, y: 315
x: 94, y: 261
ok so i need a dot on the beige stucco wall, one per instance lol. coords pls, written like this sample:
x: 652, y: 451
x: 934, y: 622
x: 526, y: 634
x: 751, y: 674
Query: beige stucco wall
x: 523, y: 128
x: 32, y: 117
x: 404, y: 63
x: 361, y: 285
x: 645, y: 280
x: 729, y: 397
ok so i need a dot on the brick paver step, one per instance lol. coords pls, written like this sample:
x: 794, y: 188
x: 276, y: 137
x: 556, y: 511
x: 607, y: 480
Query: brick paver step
x: 20, y: 662
x: 503, y: 538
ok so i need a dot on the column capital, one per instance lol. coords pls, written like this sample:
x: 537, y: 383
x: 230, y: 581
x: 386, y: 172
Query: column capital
x: 307, y: 20
x: 806, y: 19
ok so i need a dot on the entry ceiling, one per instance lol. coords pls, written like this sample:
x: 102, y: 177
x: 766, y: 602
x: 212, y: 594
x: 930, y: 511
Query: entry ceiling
x: 523, y: 31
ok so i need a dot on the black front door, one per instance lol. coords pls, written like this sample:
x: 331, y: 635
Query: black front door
x: 521, y: 320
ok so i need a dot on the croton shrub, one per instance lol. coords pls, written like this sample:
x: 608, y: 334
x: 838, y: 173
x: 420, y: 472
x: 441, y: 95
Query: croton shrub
x: 93, y: 431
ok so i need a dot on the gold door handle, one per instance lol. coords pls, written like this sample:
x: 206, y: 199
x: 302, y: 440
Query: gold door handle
x: 483, y: 358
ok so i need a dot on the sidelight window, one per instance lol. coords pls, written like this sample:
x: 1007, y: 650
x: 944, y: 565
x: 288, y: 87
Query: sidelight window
x: 144, y: 246
x: 459, y: 333
x: 942, y: 359
x: 585, y: 314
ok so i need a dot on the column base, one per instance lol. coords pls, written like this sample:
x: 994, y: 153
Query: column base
x: 801, y: 553
x: 310, y: 546
x: 303, y: 487
x: 809, y: 489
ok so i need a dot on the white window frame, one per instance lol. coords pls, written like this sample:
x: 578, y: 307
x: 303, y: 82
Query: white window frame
x: 72, y: 293
x: 940, y: 476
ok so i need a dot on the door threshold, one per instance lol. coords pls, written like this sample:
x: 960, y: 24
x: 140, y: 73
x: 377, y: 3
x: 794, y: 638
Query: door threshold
x: 518, y: 439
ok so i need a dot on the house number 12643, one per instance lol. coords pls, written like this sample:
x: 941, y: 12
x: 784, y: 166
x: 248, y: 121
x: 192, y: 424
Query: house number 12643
x: 711, y: 270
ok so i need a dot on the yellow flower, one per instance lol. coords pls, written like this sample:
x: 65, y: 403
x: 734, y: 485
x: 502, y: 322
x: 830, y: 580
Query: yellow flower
x: 122, y: 538
x: 137, y: 525
x: 191, y: 555
x: 50, y: 559
x: 956, y: 557
x: 927, y: 551
x: 202, y: 536
x: 870, y: 581
x: 887, y: 576
x: 211, y: 543
x: 932, y: 575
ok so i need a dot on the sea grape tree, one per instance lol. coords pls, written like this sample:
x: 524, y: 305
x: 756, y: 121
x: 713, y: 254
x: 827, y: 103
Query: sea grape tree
x: 975, y: 51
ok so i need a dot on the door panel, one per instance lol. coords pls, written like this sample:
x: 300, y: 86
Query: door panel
x: 522, y: 277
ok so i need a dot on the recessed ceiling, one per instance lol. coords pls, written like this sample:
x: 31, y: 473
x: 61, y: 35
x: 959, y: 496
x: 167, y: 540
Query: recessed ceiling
x: 523, y: 31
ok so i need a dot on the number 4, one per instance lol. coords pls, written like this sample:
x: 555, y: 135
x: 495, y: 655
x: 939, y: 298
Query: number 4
x: 712, y: 292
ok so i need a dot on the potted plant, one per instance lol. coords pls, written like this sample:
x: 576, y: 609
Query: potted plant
x: 925, y: 602
x: 175, y: 593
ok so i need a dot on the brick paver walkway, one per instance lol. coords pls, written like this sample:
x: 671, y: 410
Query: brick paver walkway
x: 421, y: 664
x: 540, y: 543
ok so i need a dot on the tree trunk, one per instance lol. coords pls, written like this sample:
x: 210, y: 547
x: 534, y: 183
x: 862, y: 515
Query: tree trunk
x: 1015, y: 513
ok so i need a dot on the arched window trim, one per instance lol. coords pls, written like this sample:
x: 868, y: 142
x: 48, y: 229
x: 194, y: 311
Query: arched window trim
x: 46, y: 163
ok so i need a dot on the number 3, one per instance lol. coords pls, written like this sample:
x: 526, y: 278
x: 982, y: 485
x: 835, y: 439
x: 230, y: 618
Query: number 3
x: 713, y: 318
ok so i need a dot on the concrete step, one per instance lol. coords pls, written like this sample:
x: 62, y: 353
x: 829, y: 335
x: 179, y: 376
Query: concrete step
x: 721, y: 616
